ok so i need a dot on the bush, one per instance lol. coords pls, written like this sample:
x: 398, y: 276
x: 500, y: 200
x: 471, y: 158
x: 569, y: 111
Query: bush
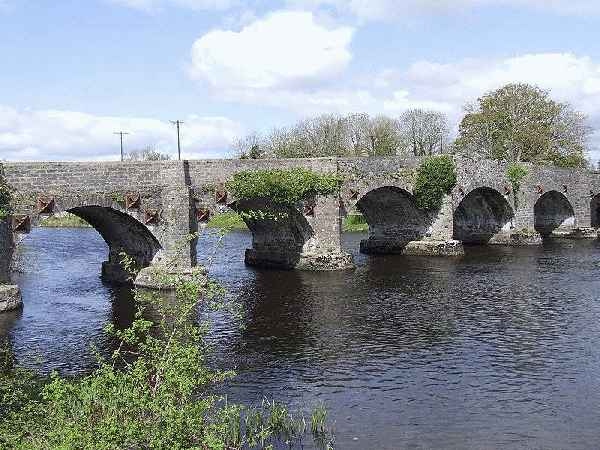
x: 436, y: 176
x: 515, y: 174
x: 282, y: 186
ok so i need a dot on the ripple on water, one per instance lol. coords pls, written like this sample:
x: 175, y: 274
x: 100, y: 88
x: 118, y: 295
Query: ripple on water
x: 499, y: 348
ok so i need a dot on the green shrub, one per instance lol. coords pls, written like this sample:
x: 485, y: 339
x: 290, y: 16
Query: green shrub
x: 282, y: 186
x: 436, y: 176
x: 515, y: 174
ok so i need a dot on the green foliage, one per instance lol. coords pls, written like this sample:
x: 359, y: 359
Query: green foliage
x: 227, y: 221
x: 154, y: 392
x: 5, y: 196
x: 117, y: 197
x: 66, y: 220
x: 520, y: 122
x: 282, y: 186
x: 436, y: 176
x: 355, y: 223
x: 515, y: 174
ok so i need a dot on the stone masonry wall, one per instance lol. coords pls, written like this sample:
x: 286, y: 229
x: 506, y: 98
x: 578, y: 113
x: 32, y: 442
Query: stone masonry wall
x: 178, y: 189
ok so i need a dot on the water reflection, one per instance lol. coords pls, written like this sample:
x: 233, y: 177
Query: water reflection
x: 498, y: 348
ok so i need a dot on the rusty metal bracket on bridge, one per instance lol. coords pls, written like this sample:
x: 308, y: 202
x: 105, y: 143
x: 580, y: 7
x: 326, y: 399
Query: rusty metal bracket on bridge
x: 45, y: 205
x: 152, y: 216
x: 203, y: 214
x: 309, y: 209
x: 221, y: 196
x: 133, y: 200
x: 21, y: 224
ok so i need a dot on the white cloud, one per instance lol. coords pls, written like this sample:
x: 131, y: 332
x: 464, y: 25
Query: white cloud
x: 282, y: 50
x: 158, y: 5
x: 447, y: 87
x: 69, y: 135
x: 394, y: 9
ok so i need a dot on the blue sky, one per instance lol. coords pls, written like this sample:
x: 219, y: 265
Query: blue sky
x: 72, y: 72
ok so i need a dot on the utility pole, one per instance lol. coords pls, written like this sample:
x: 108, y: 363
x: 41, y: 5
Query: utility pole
x: 178, y: 123
x: 121, y: 134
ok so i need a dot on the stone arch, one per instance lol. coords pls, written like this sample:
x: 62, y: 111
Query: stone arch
x: 394, y: 220
x: 481, y: 216
x: 595, y: 211
x: 280, y: 233
x: 123, y: 234
x: 553, y: 211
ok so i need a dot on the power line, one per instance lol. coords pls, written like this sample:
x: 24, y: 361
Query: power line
x: 178, y: 123
x: 121, y: 134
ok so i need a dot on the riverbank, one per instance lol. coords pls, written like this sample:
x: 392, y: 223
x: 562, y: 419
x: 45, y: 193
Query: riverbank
x: 64, y: 220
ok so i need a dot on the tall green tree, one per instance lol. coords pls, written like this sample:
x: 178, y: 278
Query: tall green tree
x: 520, y: 122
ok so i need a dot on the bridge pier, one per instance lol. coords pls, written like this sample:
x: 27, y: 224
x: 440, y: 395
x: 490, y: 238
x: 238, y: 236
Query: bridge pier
x: 284, y: 237
x: 177, y: 233
x: 10, y: 295
x: 397, y: 226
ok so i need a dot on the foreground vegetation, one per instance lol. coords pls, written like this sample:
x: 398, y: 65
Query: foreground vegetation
x: 153, y: 392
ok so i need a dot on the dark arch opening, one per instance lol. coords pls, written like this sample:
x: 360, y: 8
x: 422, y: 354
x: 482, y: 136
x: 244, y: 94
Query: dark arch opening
x: 394, y: 220
x: 595, y: 211
x: 279, y: 233
x: 553, y: 211
x: 481, y: 215
x: 122, y: 233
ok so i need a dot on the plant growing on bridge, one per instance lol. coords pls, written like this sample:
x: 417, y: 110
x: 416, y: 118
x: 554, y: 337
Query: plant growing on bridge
x: 436, y: 176
x: 515, y: 174
x: 282, y: 186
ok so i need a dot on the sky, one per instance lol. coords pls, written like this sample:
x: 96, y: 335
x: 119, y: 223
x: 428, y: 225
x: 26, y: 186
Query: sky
x: 74, y: 72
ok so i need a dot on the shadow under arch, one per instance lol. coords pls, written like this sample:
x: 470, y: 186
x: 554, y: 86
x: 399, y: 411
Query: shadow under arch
x: 481, y: 215
x: 553, y: 211
x: 394, y: 220
x: 122, y: 233
x: 279, y: 233
x: 595, y: 211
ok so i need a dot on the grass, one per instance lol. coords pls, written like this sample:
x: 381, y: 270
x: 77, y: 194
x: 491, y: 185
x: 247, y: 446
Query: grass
x: 64, y: 220
x: 355, y: 223
x: 228, y: 220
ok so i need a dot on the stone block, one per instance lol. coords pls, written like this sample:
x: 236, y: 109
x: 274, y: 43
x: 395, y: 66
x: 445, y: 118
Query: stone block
x: 10, y: 298
x: 434, y: 248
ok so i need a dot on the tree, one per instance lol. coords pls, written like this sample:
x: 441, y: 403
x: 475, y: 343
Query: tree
x: 520, y: 122
x: 424, y: 132
x: 148, y: 153
x: 378, y: 136
x: 249, y: 147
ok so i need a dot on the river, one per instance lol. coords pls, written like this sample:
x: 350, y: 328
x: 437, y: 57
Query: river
x: 497, y: 349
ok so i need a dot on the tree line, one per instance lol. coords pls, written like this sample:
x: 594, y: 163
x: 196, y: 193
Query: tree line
x: 516, y: 123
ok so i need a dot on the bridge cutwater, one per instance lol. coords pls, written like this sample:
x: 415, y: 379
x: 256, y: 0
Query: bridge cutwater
x: 148, y: 209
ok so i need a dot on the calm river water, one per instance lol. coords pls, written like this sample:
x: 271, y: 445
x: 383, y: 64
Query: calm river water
x: 498, y: 349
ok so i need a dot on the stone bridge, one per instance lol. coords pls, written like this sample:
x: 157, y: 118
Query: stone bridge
x: 149, y: 209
